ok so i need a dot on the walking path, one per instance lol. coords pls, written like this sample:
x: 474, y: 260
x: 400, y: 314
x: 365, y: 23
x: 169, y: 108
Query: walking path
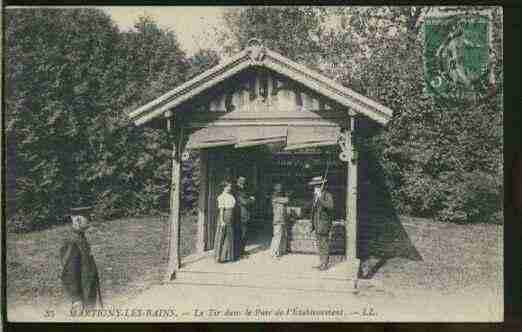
x: 457, y: 282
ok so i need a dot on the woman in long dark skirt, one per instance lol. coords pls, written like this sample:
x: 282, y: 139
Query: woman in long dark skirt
x: 225, y: 249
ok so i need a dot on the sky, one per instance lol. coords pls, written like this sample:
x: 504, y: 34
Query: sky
x: 191, y: 24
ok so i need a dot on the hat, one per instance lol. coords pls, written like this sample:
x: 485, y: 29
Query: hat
x: 80, y: 211
x: 79, y: 221
x: 225, y: 183
x: 317, y: 180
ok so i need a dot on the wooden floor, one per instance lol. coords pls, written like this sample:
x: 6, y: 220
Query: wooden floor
x: 260, y: 270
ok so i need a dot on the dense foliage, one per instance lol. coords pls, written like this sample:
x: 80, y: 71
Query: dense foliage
x: 71, y: 76
x: 441, y: 157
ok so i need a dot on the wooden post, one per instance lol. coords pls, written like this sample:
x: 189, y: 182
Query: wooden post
x: 215, y: 166
x: 351, y: 196
x: 202, y: 203
x: 175, y: 192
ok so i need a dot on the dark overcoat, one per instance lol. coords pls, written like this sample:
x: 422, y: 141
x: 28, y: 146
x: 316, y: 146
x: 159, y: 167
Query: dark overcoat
x: 80, y: 278
x: 322, y: 212
x: 243, y: 204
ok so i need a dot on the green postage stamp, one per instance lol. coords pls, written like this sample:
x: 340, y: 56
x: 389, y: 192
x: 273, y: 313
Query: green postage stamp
x: 456, y: 55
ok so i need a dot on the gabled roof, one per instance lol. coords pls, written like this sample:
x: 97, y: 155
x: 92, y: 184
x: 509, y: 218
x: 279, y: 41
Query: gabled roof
x: 257, y: 55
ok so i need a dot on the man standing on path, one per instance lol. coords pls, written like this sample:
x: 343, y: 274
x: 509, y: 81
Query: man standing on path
x: 245, y: 201
x: 80, y: 278
x: 322, y: 209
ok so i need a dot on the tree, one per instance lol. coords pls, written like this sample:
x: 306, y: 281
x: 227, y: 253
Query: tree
x: 292, y: 31
x: 442, y: 155
x: 202, y: 60
x: 56, y: 65
x: 70, y: 77
x: 434, y: 151
x: 131, y: 175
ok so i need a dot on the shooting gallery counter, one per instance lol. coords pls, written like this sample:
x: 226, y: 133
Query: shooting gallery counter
x: 301, y: 241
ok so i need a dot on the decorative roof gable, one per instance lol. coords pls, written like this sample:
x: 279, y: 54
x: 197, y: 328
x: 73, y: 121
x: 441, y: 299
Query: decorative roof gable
x: 257, y: 55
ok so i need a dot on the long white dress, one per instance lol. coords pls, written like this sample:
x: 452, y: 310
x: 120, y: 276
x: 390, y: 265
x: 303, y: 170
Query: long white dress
x: 225, y: 243
x: 279, y: 243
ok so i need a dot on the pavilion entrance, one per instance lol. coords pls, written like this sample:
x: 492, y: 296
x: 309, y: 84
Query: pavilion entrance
x: 264, y: 166
x: 230, y: 163
x: 270, y: 119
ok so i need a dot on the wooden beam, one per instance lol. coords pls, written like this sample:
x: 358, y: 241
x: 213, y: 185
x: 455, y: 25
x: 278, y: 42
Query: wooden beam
x: 249, y: 143
x: 274, y: 114
x: 202, y: 230
x: 211, y: 160
x: 260, y: 123
x: 175, y: 193
x: 309, y: 145
x: 351, y: 196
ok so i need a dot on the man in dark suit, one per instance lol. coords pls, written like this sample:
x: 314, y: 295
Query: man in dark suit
x: 245, y: 201
x: 80, y: 278
x: 322, y: 210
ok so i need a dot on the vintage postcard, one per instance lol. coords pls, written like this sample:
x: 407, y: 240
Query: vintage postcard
x: 254, y: 164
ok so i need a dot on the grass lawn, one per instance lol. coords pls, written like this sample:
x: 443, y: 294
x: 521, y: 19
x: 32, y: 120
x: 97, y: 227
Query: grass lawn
x: 455, y: 259
x: 131, y: 255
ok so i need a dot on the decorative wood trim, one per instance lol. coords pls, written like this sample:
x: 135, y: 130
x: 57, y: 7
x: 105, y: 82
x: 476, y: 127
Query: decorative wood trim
x: 270, y: 60
x: 263, y: 84
x: 205, y: 76
x: 146, y: 114
x: 380, y: 114
x: 305, y: 75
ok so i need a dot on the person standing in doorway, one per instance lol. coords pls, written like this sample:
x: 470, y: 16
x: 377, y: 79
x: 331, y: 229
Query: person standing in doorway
x: 225, y: 248
x: 245, y: 201
x: 280, y: 237
x: 322, y: 209
x: 80, y: 278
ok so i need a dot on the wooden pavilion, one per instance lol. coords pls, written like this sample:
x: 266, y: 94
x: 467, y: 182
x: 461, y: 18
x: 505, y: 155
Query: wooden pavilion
x: 256, y: 101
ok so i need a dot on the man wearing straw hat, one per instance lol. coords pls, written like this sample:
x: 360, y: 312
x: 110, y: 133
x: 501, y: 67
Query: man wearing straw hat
x: 321, y: 219
x: 80, y: 278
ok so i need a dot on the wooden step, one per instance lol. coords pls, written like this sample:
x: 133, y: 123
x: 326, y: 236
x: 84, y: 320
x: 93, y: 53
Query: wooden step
x: 282, y: 282
x: 292, y: 272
